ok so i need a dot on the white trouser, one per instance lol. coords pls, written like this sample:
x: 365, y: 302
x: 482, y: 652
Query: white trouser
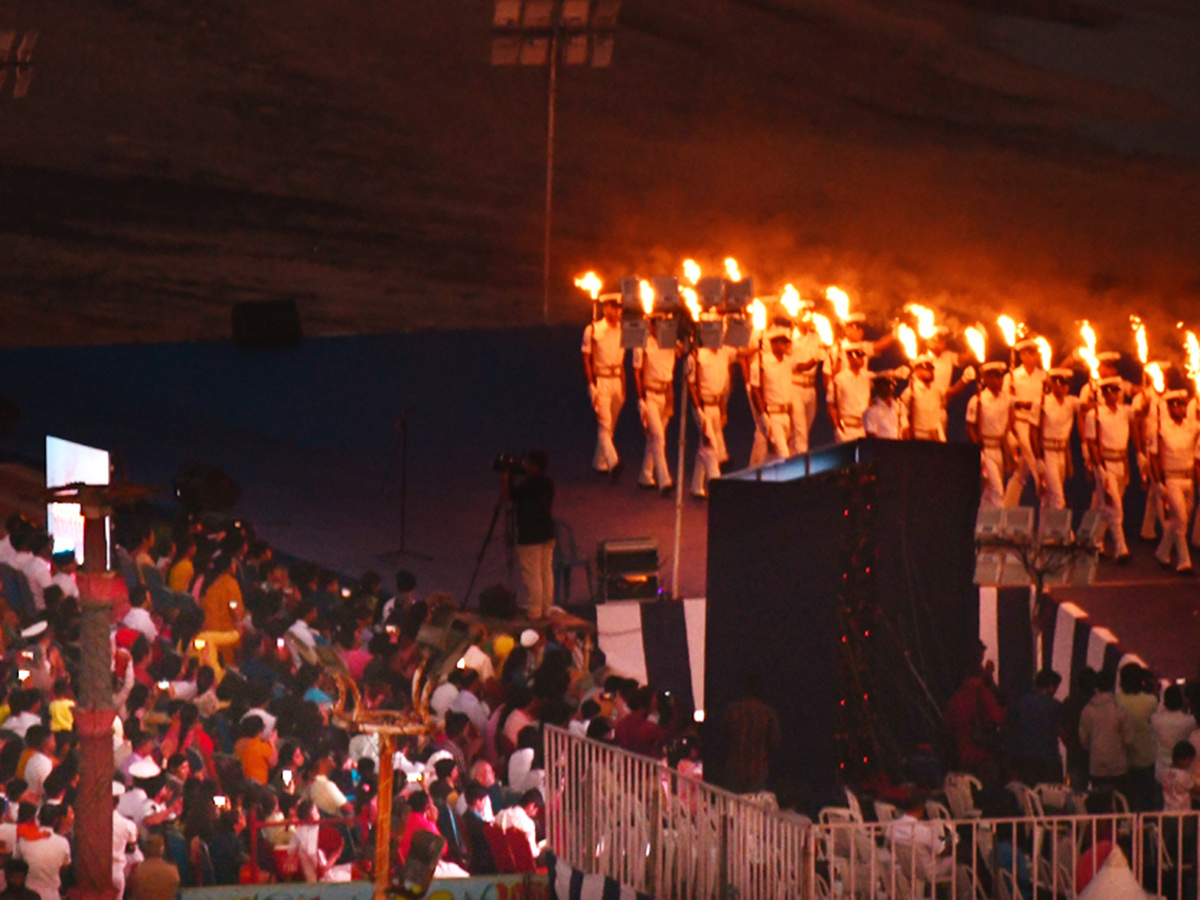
x: 656, y: 412
x: 711, y: 449
x: 1026, y: 464
x: 804, y: 412
x: 608, y: 396
x: 1054, y: 469
x: 118, y: 877
x: 1155, y: 511
x: 992, y: 463
x: 758, y: 450
x: 1115, y: 476
x: 1178, y: 492
x: 537, y: 577
x: 777, y: 427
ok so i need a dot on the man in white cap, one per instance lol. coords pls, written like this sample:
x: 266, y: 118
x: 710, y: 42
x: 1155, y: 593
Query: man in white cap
x: 807, y: 355
x: 1107, y: 432
x: 654, y: 372
x: 1025, y: 384
x: 1175, y: 457
x: 1057, y: 421
x: 771, y: 382
x: 708, y: 385
x: 924, y: 402
x: 989, y: 421
x: 884, y: 418
x: 604, y: 366
x: 125, y: 834
x: 136, y: 804
x: 850, y: 395
x: 944, y: 359
x: 854, y: 335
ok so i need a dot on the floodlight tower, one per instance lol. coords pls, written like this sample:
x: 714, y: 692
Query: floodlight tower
x: 537, y: 33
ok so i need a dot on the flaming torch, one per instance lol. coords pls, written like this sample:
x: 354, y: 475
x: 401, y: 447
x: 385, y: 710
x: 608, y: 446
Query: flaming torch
x: 590, y: 282
x: 824, y: 329
x: 789, y: 299
x: 758, y: 314
x: 646, y: 295
x: 840, y: 300
x: 1088, y: 351
x: 926, y: 327
x: 1192, y: 346
x: 1154, y: 374
x: 1139, y: 335
x: 691, y: 271
x: 908, y: 340
x: 1008, y: 328
x: 977, y: 340
x: 691, y: 301
x: 1047, y: 355
x: 732, y: 272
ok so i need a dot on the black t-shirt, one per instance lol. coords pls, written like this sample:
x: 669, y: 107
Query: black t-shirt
x: 532, y: 499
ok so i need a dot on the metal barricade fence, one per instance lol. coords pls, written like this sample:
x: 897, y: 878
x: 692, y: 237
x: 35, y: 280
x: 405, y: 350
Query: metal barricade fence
x: 635, y: 820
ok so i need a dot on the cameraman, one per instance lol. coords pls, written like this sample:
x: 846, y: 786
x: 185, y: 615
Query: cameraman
x: 532, y: 498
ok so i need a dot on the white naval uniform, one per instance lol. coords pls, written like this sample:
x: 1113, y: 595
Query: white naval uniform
x: 806, y: 347
x: 774, y: 376
x: 657, y: 365
x: 1027, y: 389
x: 989, y: 414
x: 925, y: 407
x: 1111, y: 430
x: 1150, y: 400
x: 1179, y: 446
x: 708, y: 370
x: 943, y: 369
x: 603, y: 342
x: 851, y: 395
x: 884, y: 419
x: 1058, y: 421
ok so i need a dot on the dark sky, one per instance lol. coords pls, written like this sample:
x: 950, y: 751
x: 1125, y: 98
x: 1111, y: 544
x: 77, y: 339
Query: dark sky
x: 1037, y: 157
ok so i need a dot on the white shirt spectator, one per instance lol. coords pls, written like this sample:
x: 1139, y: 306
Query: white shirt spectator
x: 37, y: 768
x: 516, y: 817
x: 521, y: 774
x: 303, y: 635
x: 327, y: 796
x: 37, y: 570
x: 19, y: 724
x: 1169, y: 727
x: 268, y: 720
x: 46, y: 858
x: 475, y: 709
x: 139, y: 619
x: 7, y: 553
x: 65, y: 581
x: 443, y: 696
x: 135, y: 804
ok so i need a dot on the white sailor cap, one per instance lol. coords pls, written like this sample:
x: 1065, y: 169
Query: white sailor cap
x: 854, y: 347
x: 1025, y: 343
x: 1108, y: 356
x: 144, y: 768
x: 779, y: 333
x: 614, y: 297
x: 529, y: 638
x: 1110, y: 381
x: 117, y: 789
x: 36, y: 629
x: 925, y: 359
x: 1181, y: 394
x: 1061, y: 372
x: 855, y: 318
x: 994, y: 366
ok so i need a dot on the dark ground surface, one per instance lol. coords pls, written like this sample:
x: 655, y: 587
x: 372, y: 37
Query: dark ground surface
x: 309, y: 434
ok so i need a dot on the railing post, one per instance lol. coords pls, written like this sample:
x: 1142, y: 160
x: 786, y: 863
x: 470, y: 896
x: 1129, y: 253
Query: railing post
x: 254, y: 845
x: 652, y: 858
x: 723, y: 856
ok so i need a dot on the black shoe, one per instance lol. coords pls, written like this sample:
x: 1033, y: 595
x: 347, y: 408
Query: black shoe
x: 667, y: 493
x: 701, y: 497
x: 1186, y: 572
x: 1124, y: 559
x: 647, y: 487
x: 615, y: 471
x: 1162, y: 564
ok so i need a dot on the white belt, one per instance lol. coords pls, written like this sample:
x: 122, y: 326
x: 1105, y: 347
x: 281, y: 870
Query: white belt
x: 774, y: 408
x: 927, y: 434
x: 608, y: 371
x: 658, y: 388
x: 1114, y: 455
x: 1057, y: 446
x: 805, y: 381
x: 710, y: 401
x: 989, y: 441
x: 852, y: 421
x: 1186, y: 474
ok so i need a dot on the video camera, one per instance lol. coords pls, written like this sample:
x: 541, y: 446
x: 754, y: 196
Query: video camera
x: 507, y: 462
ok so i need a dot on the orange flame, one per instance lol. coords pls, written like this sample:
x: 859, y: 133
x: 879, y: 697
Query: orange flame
x: 758, y: 314
x: 590, y: 282
x: 731, y: 269
x: 1154, y: 372
x: 790, y: 300
x: 1088, y: 351
x: 691, y: 270
x: 692, y: 301
x: 824, y: 329
x: 1193, y: 358
x: 908, y: 340
x: 977, y: 341
x: 646, y: 295
x: 1139, y: 335
x: 1047, y: 355
x: 1008, y: 328
x: 840, y: 300
x: 926, y: 327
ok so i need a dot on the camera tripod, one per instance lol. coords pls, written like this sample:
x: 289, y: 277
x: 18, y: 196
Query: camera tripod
x: 400, y: 448
x: 502, y: 506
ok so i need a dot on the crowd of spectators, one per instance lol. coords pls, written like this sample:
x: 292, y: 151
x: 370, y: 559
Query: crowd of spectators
x: 224, y: 680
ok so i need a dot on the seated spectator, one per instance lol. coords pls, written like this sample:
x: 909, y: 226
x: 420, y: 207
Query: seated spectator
x: 1170, y: 725
x: 418, y: 820
x: 635, y: 732
x: 523, y: 818
x: 525, y: 769
x: 1178, y: 786
x: 153, y: 878
x: 256, y: 754
x: 478, y: 813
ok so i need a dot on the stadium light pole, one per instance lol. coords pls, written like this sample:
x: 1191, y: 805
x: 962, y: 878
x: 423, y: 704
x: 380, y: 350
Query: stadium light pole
x: 538, y: 33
